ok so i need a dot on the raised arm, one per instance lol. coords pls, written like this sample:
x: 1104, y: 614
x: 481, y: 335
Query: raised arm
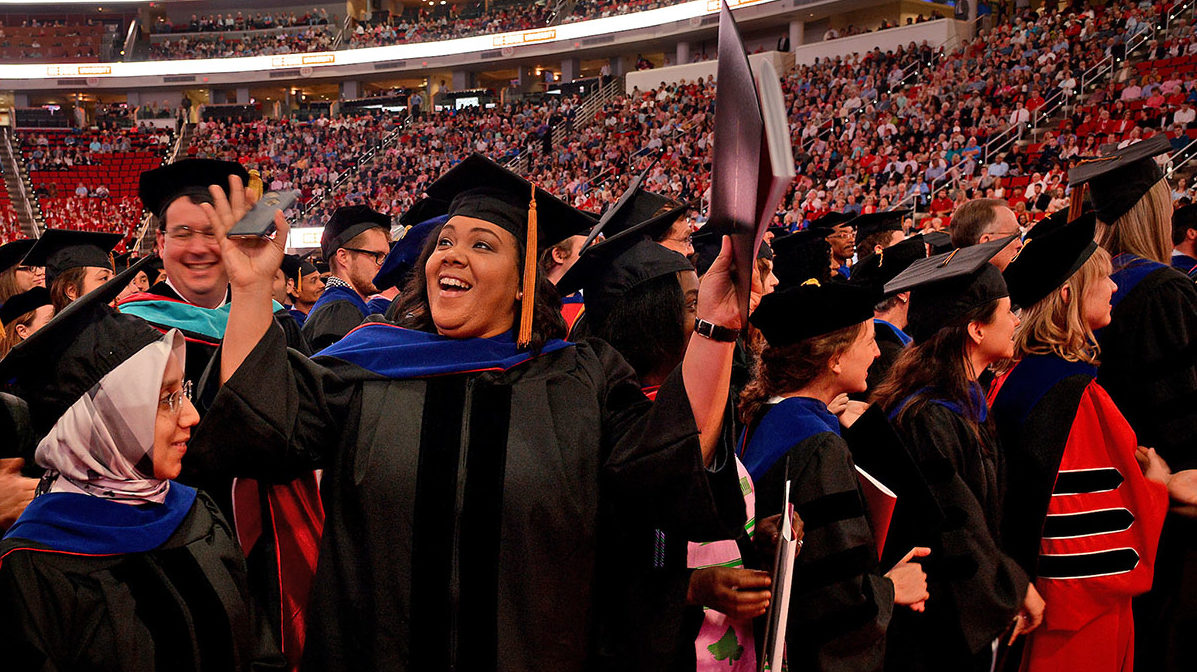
x: 706, y: 369
x: 251, y: 264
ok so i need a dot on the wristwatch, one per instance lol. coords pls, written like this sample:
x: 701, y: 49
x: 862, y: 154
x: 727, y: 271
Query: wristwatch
x: 715, y: 332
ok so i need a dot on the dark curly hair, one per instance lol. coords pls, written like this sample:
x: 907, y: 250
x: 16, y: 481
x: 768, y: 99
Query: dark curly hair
x: 787, y: 368
x: 411, y: 309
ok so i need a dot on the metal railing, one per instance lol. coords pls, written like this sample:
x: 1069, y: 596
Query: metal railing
x: 360, y: 161
x: 1182, y: 157
x: 130, y: 39
x: 583, y: 116
x: 24, y: 195
x: 340, y: 38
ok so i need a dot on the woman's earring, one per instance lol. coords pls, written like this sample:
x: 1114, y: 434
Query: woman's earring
x: 519, y: 296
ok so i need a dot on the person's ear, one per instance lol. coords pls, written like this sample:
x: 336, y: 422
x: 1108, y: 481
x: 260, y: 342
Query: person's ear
x: 976, y: 332
x: 559, y: 256
x: 1190, y: 234
x: 23, y: 331
x: 835, y: 365
x: 1066, y: 293
x: 71, y: 291
x: 159, y: 241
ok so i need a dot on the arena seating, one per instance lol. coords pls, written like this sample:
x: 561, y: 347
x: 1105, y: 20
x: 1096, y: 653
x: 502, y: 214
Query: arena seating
x: 56, y: 43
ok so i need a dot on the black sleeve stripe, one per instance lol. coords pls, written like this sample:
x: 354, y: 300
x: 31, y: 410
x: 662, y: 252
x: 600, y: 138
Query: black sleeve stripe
x: 1084, y: 481
x: 842, y: 566
x: 1087, y: 523
x: 830, y: 509
x: 1087, y: 565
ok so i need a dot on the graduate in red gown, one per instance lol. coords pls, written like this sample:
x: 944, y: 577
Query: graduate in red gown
x: 1085, y: 519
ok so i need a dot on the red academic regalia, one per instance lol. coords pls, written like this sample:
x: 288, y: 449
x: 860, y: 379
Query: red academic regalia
x: 1082, y: 519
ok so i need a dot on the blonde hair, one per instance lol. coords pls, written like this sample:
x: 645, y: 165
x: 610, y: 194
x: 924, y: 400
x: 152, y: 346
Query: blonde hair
x: 1054, y: 326
x: 1145, y: 229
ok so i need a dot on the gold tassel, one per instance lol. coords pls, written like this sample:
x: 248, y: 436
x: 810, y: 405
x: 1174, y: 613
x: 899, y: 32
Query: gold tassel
x: 255, y: 183
x: 528, y: 305
x: 1077, y: 202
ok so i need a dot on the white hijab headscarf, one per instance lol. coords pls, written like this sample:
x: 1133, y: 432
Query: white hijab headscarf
x: 103, y: 445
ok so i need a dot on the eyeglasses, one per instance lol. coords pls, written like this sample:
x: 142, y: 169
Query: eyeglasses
x: 379, y: 257
x: 29, y: 269
x: 174, y: 400
x: 185, y: 234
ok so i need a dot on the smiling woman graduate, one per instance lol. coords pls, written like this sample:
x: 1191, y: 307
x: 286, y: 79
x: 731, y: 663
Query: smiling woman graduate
x: 473, y: 460
x: 114, y: 565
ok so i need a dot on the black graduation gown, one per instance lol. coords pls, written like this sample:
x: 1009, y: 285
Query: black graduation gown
x: 330, y: 320
x: 181, y: 606
x: 466, y: 512
x: 890, y: 346
x: 975, y: 588
x: 1149, y: 367
x: 1149, y: 358
x: 840, y: 605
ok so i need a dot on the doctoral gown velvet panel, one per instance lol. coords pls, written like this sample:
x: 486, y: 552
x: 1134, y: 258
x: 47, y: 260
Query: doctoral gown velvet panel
x: 840, y: 606
x: 975, y: 588
x: 465, y: 512
x: 183, y: 606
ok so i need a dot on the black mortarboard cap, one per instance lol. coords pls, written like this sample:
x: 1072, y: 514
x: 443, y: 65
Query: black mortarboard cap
x: 158, y: 188
x: 635, y: 205
x: 346, y: 223
x: 19, y: 304
x: 480, y: 188
x: 290, y: 266
x: 606, y: 272
x: 947, y: 286
x: 876, y: 222
x: 801, y: 256
x: 1119, y: 179
x: 61, y: 250
x: 65, y: 359
x: 765, y: 251
x: 12, y: 253
x: 1049, y: 259
x: 795, y: 314
x: 647, y: 215
x: 938, y: 241
x: 405, y: 252
x: 875, y: 270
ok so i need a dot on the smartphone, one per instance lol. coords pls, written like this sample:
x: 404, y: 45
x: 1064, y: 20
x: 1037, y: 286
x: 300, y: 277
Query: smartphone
x: 259, y: 221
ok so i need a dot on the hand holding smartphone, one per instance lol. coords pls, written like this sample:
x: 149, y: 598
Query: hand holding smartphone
x: 259, y: 221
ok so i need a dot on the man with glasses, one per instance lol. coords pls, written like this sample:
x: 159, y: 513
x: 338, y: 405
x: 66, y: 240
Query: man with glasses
x: 984, y: 219
x: 354, y: 245
x: 841, y: 235
x: 194, y: 296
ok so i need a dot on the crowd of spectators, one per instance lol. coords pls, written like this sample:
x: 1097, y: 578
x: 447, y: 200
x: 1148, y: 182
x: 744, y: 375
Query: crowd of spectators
x: 317, y: 38
x: 394, y: 178
x: 90, y: 147
x: 116, y: 214
x: 317, y: 16
x: 428, y: 25
x: 308, y: 155
x: 10, y: 228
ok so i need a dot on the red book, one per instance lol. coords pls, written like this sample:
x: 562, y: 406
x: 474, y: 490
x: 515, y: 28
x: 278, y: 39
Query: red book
x: 880, y: 502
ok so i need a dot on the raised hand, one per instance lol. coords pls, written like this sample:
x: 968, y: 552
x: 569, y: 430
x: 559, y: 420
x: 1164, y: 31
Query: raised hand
x: 717, y: 298
x: 250, y: 262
